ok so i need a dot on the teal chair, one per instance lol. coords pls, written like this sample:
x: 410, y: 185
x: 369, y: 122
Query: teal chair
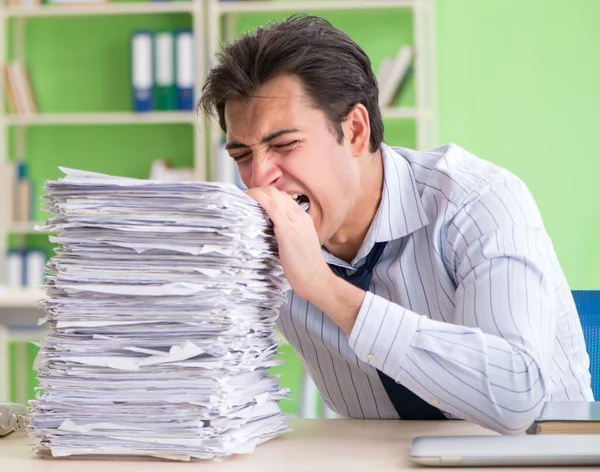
x: 588, y: 307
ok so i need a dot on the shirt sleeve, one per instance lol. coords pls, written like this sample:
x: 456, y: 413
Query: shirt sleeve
x: 490, y: 364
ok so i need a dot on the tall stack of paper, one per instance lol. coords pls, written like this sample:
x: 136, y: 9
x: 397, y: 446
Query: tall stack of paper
x: 161, y: 303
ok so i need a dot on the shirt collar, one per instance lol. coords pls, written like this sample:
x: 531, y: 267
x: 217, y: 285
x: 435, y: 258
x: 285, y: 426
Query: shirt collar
x: 400, y: 211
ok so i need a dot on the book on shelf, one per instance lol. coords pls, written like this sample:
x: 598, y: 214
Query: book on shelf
x: 392, y: 75
x: 141, y: 71
x: 8, y: 187
x: 23, y: 196
x: 162, y: 70
x: 25, y: 268
x: 17, y: 89
x: 16, y: 192
x: 184, y: 63
x: 568, y: 418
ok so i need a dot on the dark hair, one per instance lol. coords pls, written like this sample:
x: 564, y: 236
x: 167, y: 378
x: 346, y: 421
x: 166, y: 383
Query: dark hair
x: 335, y: 72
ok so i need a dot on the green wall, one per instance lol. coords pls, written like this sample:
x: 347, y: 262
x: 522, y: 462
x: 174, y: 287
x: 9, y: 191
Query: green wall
x: 519, y: 85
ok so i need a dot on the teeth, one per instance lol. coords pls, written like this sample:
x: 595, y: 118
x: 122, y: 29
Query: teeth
x: 303, y: 205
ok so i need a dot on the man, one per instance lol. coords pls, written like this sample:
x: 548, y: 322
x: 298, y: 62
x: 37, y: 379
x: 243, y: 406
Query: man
x: 424, y: 283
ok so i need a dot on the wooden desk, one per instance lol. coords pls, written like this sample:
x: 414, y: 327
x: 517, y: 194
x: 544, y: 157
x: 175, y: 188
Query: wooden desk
x: 314, y: 445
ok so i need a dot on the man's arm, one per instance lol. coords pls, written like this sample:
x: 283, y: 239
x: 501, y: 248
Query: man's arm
x: 491, y: 363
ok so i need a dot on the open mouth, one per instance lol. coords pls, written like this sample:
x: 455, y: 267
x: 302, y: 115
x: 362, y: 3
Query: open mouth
x: 302, y: 201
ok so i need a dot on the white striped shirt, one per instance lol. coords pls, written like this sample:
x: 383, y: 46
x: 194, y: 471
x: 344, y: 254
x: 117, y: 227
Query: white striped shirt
x: 468, y: 306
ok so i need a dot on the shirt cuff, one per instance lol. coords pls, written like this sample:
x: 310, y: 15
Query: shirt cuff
x: 382, y: 334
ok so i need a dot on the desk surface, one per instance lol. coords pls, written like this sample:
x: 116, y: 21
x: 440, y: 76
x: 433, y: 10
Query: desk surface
x: 315, y: 445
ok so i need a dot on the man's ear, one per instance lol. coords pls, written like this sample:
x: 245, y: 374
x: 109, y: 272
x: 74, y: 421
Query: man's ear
x: 357, y: 130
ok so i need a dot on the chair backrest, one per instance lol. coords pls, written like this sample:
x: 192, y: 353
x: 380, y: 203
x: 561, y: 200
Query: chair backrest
x: 588, y: 307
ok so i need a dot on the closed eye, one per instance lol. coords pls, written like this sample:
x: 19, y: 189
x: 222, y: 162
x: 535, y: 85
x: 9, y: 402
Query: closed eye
x: 241, y: 157
x: 279, y: 147
x: 284, y: 146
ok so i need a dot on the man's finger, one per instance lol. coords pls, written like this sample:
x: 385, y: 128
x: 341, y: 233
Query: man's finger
x: 273, y: 204
x: 276, y: 203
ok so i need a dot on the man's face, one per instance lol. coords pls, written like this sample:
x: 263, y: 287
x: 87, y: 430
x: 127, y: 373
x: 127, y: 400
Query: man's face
x: 277, y: 138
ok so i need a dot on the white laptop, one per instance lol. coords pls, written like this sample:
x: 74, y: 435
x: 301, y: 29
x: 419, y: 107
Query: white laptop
x: 519, y: 450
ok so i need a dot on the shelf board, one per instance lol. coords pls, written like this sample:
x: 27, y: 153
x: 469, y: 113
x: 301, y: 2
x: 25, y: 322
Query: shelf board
x: 399, y: 113
x: 27, y: 333
x: 21, y: 298
x: 101, y: 9
x: 25, y: 227
x: 310, y: 5
x: 122, y: 118
x: 117, y: 118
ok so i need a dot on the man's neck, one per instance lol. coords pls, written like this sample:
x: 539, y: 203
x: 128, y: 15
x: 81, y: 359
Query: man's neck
x: 346, y: 242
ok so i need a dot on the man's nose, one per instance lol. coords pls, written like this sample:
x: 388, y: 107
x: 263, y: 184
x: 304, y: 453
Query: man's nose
x: 265, y: 170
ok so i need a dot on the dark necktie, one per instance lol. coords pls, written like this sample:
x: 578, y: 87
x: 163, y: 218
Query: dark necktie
x: 408, y: 405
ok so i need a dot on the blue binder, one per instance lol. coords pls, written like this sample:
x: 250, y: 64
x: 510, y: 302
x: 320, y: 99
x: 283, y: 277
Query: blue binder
x: 184, y: 78
x: 141, y: 71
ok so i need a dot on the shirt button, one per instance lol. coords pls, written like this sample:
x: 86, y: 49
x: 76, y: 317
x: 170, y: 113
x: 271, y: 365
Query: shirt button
x: 435, y: 401
x: 371, y: 358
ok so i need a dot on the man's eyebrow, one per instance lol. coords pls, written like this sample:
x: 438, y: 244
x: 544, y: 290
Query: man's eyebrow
x: 265, y: 139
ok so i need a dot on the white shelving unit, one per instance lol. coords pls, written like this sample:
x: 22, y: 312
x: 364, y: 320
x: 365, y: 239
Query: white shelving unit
x: 118, y: 118
x: 424, y: 113
x: 26, y: 227
x: 312, y: 5
x: 21, y: 298
x: 103, y: 9
x: 27, y: 298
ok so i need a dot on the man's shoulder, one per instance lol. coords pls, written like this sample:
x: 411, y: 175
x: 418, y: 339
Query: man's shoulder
x: 452, y: 172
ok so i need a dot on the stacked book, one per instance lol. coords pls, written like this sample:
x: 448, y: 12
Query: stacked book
x: 162, y: 70
x: 568, y: 417
x: 17, y: 192
x: 162, y: 298
x: 393, y: 75
x: 18, y: 90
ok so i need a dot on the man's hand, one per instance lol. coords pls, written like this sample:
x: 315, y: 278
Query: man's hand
x: 299, y: 247
x: 300, y: 254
